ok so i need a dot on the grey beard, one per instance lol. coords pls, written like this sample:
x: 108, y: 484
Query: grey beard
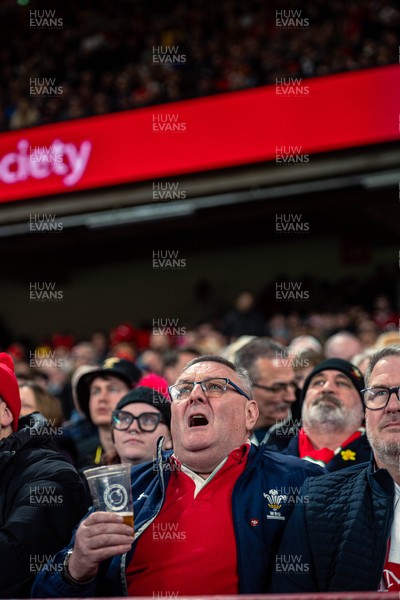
x: 326, y: 416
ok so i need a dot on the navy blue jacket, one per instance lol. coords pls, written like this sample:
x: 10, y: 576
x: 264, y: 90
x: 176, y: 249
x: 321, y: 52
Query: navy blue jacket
x: 262, y: 500
x: 337, y: 540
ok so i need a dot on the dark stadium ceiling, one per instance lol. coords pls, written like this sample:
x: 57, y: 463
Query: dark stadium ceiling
x: 370, y: 168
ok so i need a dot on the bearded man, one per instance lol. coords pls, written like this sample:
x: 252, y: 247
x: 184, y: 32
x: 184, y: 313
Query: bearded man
x: 332, y: 432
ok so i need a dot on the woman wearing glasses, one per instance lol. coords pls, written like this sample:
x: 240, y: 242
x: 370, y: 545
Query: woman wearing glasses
x: 138, y: 421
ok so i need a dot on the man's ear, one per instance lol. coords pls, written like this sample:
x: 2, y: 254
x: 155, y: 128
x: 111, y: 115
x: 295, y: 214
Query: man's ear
x: 252, y: 413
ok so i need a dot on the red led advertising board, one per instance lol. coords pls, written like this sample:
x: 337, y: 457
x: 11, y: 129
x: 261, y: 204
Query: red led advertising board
x: 239, y: 128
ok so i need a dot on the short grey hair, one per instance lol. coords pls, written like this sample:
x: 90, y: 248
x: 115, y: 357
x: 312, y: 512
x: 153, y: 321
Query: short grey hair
x: 263, y: 347
x: 241, y: 373
x: 393, y: 350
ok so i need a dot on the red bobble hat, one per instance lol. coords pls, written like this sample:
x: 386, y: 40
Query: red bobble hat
x: 155, y: 382
x: 9, y: 389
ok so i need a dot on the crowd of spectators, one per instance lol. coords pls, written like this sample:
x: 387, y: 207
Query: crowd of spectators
x: 105, y: 56
x: 350, y: 333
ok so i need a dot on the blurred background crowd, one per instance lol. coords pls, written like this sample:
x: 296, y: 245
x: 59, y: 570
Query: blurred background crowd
x: 52, y: 363
x: 106, y: 56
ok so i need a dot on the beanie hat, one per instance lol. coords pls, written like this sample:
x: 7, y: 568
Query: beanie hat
x: 148, y: 396
x: 122, y: 369
x: 9, y: 389
x: 337, y: 364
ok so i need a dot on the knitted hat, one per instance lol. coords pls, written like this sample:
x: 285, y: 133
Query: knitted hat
x: 337, y: 364
x: 148, y: 396
x: 9, y: 389
x: 117, y: 367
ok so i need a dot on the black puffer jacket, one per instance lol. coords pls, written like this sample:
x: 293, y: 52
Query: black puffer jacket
x: 41, y: 501
x: 336, y: 539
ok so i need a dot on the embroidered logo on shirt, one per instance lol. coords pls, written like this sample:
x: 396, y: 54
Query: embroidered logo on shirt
x: 254, y: 522
x: 348, y: 455
x: 275, y: 501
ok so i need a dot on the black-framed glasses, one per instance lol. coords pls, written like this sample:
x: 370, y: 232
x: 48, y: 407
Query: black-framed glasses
x: 148, y: 421
x: 376, y: 398
x: 213, y: 388
x: 278, y: 387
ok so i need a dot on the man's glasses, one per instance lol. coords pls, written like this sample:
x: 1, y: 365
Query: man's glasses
x: 376, y: 398
x: 278, y: 387
x: 148, y: 422
x: 213, y: 388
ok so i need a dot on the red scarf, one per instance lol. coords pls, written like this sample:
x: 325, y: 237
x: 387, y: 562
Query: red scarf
x: 307, y: 450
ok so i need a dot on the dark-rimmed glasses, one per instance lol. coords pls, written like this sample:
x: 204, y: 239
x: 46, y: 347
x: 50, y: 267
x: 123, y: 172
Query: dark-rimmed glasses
x: 147, y: 421
x: 213, y: 388
x: 376, y: 398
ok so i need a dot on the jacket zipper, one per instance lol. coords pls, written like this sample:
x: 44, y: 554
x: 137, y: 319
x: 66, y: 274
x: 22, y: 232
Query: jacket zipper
x: 149, y: 522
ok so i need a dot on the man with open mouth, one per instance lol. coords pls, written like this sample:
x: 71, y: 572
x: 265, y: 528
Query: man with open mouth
x: 216, y: 499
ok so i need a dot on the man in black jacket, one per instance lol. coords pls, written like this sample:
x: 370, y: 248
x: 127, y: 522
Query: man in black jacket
x: 346, y: 537
x: 332, y: 433
x: 42, y: 497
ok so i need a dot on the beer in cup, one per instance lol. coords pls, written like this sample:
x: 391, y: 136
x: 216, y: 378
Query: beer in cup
x: 111, y: 491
